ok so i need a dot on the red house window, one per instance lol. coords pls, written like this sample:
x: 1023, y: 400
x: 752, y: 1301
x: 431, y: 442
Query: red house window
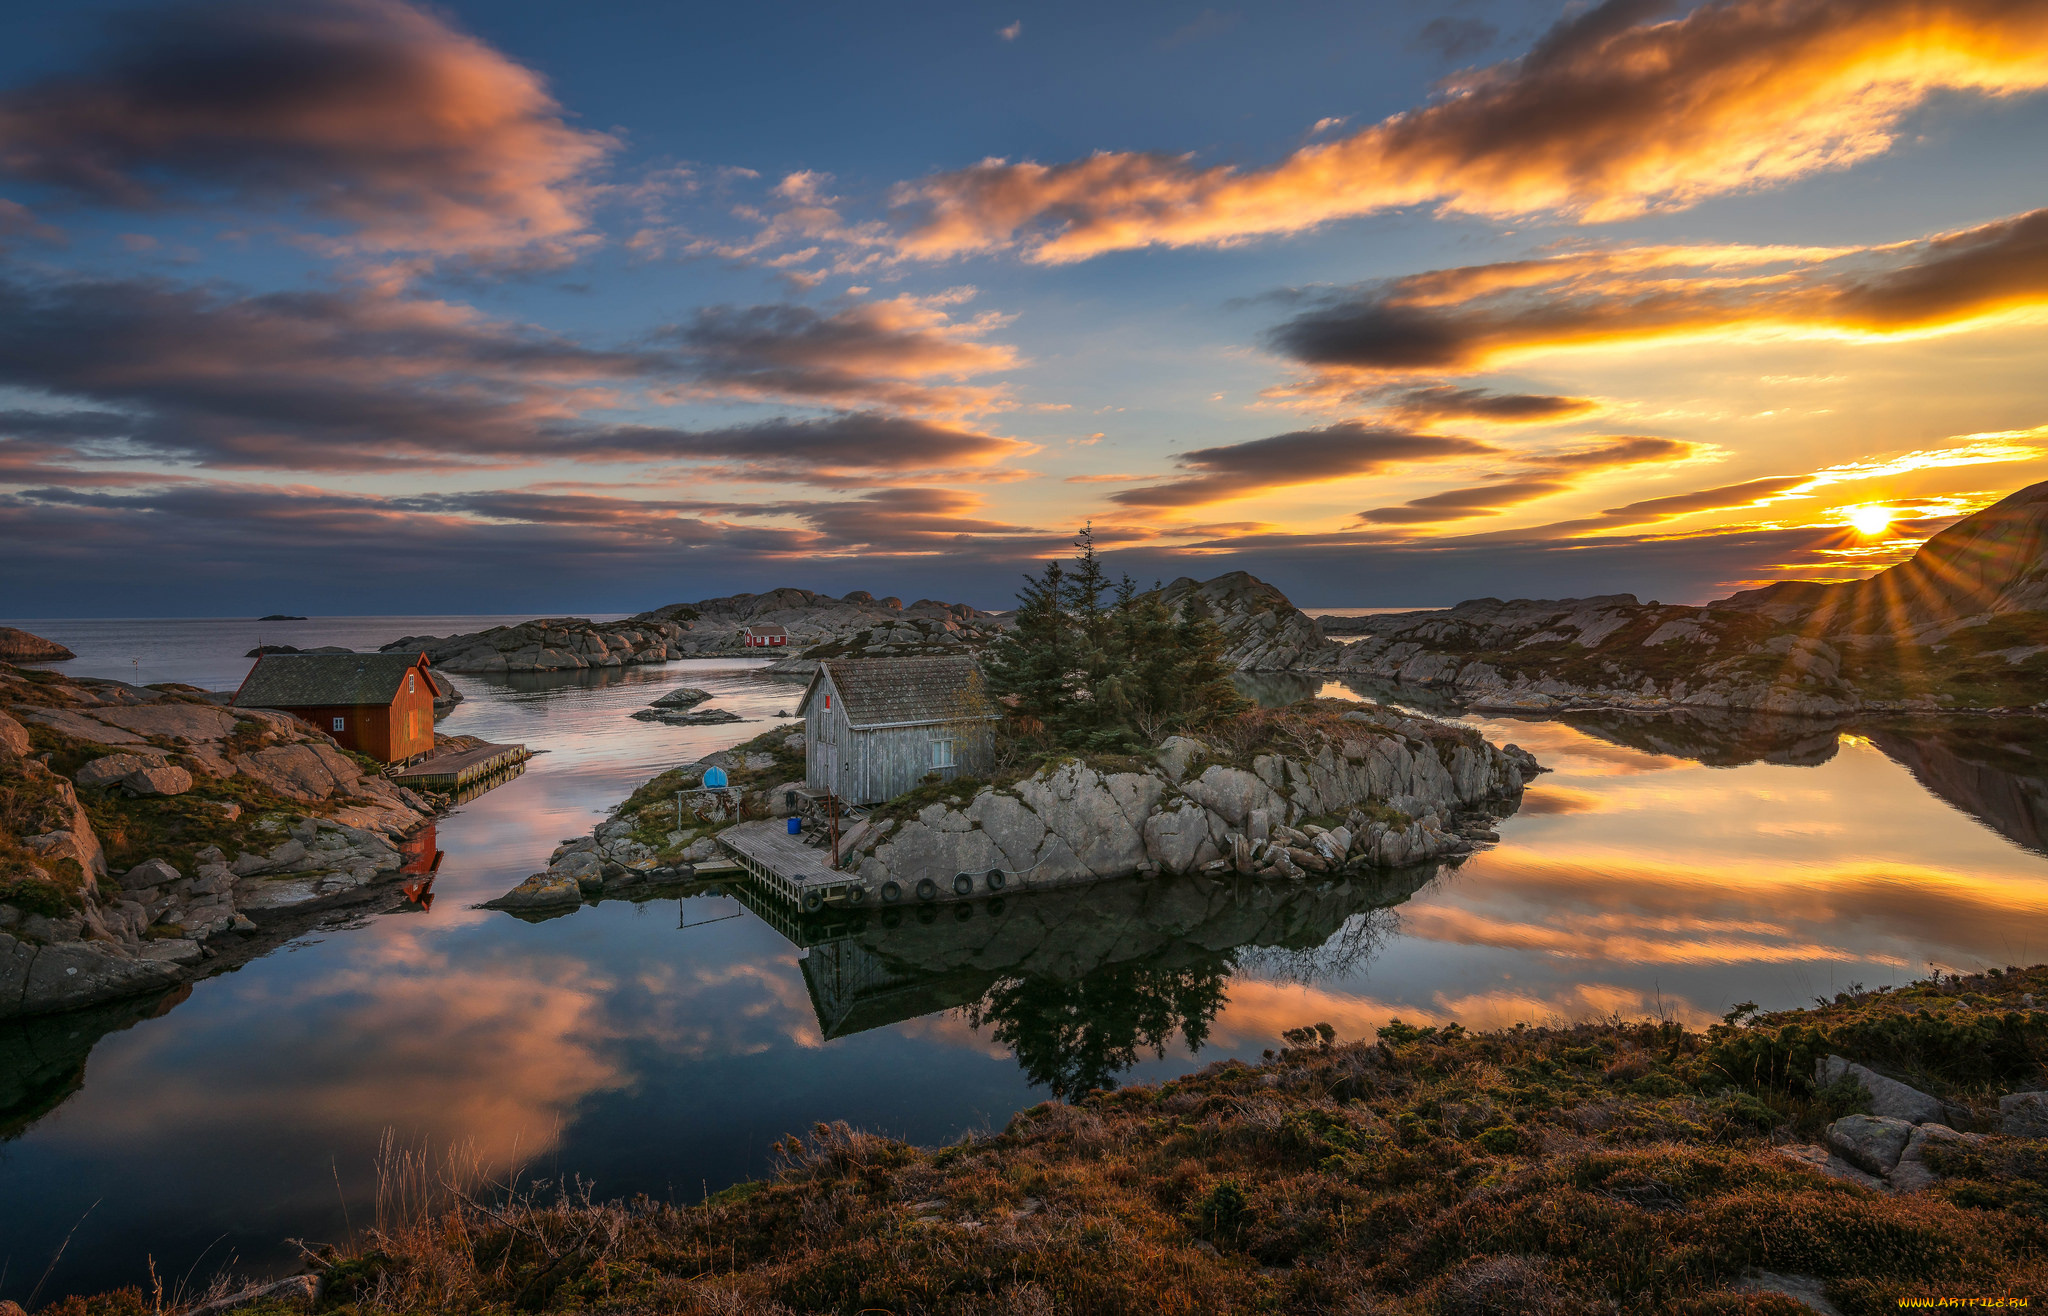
x: 340, y: 722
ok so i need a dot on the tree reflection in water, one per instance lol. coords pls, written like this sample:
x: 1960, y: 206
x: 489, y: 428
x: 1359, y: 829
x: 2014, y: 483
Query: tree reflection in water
x: 1071, y: 1037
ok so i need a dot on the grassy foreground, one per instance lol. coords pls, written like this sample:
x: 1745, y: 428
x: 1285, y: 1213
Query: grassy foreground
x: 1596, y: 1168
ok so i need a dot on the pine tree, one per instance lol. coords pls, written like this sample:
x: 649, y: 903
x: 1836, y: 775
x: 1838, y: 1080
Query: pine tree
x: 1202, y: 674
x: 1031, y: 665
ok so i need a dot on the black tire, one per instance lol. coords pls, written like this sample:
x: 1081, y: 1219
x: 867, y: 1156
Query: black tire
x: 963, y: 884
x: 962, y: 912
x: 856, y: 894
x: 813, y: 901
x: 892, y: 918
x: 927, y: 915
x: 995, y: 879
x: 996, y: 907
x: 927, y: 889
x: 891, y: 893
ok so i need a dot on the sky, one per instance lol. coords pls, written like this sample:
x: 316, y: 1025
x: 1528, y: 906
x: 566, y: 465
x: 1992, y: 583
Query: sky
x: 370, y: 307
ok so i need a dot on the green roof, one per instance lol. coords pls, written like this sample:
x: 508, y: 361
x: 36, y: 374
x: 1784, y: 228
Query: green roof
x: 313, y: 680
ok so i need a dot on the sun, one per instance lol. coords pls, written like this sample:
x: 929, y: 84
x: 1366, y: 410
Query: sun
x: 1870, y: 520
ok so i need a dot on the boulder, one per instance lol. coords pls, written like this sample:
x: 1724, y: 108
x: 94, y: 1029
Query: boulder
x: 2024, y: 1114
x: 1176, y: 753
x: 540, y: 891
x: 1872, y: 1143
x: 1888, y: 1097
x: 161, y: 779
x: 1912, y: 1174
x: 148, y: 873
x: 13, y: 736
x: 682, y: 697
x: 110, y: 769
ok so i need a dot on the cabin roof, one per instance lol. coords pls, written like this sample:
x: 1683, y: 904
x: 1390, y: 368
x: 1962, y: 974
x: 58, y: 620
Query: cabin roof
x: 769, y: 629
x: 314, y: 680
x: 879, y: 692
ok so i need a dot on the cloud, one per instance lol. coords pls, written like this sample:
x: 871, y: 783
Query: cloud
x: 1542, y: 475
x: 1476, y: 317
x: 366, y: 379
x: 1338, y: 451
x: 374, y: 115
x: 1012, y: 32
x: 1609, y: 115
x: 1446, y: 402
x: 1455, y: 504
x: 866, y: 354
x: 832, y: 451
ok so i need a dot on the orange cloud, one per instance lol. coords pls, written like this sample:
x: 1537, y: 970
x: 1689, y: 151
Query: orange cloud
x: 372, y: 113
x: 1607, y: 116
x: 1470, y: 319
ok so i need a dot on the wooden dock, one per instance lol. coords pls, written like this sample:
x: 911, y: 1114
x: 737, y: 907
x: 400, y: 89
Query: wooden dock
x: 461, y: 768
x: 786, y: 865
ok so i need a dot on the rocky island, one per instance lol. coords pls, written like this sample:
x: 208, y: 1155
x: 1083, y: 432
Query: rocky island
x: 21, y: 647
x: 150, y: 835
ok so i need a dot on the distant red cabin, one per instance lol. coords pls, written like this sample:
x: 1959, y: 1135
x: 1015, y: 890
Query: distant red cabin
x: 377, y: 704
x: 766, y: 637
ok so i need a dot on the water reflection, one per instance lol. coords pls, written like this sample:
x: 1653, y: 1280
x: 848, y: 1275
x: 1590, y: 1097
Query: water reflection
x: 1076, y: 983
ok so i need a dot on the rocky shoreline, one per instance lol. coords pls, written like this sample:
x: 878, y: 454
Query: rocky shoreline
x: 1358, y: 787
x: 153, y: 836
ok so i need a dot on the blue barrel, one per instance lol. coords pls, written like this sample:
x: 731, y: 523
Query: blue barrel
x: 796, y: 825
x: 714, y: 779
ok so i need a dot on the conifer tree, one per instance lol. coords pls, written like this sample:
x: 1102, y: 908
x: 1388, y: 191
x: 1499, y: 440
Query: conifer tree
x: 1202, y: 673
x: 1032, y: 663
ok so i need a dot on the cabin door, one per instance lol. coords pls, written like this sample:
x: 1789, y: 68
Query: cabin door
x: 828, y: 766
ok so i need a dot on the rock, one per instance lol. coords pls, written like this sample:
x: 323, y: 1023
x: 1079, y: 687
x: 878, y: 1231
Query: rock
x: 1912, y: 1174
x: 682, y: 697
x: 41, y: 979
x: 171, y: 950
x: 148, y: 873
x: 2024, y: 1114
x: 701, y: 718
x: 1888, y: 1097
x: 110, y: 769
x: 190, y: 724
x: 168, y: 779
x: 306, y: 772
x: 1834, y: 1167
x: 1176, y: 753
x: 704, y: 847
x: 1872, y: 1143
x: 13, y: 736
x: 540, y: 891
x: 279, y: 893
x: 22, y: 647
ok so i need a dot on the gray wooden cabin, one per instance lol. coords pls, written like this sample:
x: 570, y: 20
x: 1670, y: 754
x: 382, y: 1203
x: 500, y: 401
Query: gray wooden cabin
x: 875, y: 727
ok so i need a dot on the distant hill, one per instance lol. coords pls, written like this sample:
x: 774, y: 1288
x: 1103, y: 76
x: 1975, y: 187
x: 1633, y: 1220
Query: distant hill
x: 1961, y: 624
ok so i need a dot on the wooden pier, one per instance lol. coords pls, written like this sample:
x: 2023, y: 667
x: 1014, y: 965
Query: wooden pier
x: 461, y: 768
x: 786, y: 865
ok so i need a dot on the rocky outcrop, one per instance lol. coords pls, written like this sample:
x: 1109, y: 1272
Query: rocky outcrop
x: 1389, y: 789
x: 1965, y: 620
x: 22, y: 647
x: 858, y: 622
x: 1884, y: 1149
x: 607, y: 862
x: 561, y: 644
x: 301, y: 825
x: 1267, y: 633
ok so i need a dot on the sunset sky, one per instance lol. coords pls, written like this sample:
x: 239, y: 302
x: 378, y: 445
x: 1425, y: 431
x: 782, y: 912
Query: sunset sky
x: 357, y: 306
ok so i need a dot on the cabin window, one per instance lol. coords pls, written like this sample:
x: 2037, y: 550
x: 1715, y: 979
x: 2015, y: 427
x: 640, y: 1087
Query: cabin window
x: 411, y: 679
x: 828, y: 703
x: 942, y: 753
x: 340, y: 722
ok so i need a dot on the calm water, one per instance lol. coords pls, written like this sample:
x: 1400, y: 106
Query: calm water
x: 1663, y: 867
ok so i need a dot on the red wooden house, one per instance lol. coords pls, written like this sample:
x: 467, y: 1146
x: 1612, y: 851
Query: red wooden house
x: 377, y: 704
x: 767, y: 637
